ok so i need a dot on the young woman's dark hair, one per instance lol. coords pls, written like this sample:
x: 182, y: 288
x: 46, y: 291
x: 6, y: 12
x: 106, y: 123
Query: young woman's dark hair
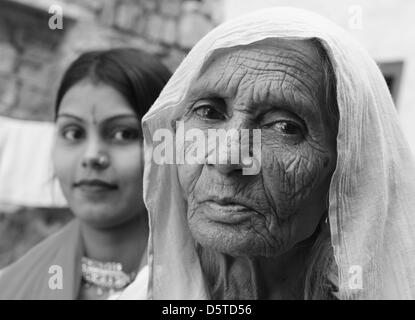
x: 137, y: 75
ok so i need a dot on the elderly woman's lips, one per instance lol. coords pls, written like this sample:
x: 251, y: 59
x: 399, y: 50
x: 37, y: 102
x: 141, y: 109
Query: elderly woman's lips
x: 228, y: 213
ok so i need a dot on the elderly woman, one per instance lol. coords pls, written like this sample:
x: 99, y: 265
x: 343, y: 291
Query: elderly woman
x: 330, y: 212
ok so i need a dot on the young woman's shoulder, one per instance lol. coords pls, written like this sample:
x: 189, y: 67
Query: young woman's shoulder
x: 30, y: 276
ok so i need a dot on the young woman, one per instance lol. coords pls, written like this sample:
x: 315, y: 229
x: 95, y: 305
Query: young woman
x: 98, y: 159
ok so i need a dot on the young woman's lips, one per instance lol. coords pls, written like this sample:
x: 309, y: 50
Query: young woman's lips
x: 95, y: 186
x: 227, y: 212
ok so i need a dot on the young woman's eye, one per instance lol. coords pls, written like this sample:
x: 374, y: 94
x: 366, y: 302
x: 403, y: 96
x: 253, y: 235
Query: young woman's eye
x: 125, y: 135
x: 73, y: 134
x: 207, y: 111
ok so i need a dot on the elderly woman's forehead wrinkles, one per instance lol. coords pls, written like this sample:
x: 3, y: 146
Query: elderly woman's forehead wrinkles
x: 275, y: 85
x: 278, y: 81
x: 304, y: 70
x: 206, y: 88
x: 277, y: 95
x: 268, y: 54
x: 265, y: 75
x: 213, y: 83
x: 303, y: 52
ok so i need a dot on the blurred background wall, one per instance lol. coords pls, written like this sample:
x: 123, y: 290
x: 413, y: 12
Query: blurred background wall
x: 33, y: 57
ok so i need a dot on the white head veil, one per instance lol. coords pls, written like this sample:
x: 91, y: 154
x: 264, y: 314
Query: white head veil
x: 372, y: 191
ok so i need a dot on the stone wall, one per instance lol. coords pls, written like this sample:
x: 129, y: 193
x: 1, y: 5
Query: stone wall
x: 33, y: 57
x: 167, y: 28
x: 27, y: 49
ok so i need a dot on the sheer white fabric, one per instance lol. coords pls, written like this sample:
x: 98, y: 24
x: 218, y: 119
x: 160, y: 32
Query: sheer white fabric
x: 372, y: 191
x: 26, y: 174
x: 137, y: 290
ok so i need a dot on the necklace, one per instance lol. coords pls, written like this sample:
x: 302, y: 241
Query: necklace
x: 105, y: 276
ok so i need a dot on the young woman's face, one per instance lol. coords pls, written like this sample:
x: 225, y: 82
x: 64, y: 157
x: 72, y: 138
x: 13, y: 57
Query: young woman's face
x: 98, y: 155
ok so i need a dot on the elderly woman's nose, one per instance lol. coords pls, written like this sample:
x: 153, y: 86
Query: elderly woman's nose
x: 228, y: 169
x: 95, y: 155
x: 241, y: 120
x: 230, y: 158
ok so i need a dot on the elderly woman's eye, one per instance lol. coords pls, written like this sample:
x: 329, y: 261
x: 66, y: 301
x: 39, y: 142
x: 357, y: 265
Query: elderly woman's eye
x: 207, y: 111
x: 288, y: 127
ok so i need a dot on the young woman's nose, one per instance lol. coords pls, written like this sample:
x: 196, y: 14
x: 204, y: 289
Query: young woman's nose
x: 95, y: 156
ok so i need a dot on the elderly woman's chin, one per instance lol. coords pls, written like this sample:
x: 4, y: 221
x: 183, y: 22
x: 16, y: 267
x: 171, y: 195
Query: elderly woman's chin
x: 249, y: 229
x: 236, y: 231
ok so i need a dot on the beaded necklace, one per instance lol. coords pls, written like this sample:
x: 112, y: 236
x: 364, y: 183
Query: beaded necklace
x: 107, y: 277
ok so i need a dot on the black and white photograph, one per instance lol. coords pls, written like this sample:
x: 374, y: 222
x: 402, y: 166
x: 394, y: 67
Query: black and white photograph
x: 207, y: 150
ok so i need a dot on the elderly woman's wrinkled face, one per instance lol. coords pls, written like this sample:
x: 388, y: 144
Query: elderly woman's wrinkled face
x: 277, y: 88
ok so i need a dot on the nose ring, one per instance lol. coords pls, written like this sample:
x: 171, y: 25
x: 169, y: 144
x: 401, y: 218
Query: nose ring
x: 102, y: 160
